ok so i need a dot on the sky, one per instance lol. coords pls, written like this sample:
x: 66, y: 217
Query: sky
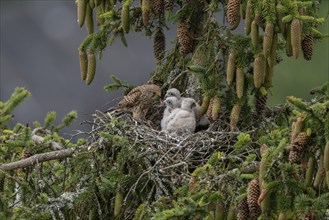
x: 38, y: 51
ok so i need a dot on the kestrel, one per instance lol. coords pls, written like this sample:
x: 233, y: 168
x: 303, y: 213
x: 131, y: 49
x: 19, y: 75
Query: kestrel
x: 140, y: 99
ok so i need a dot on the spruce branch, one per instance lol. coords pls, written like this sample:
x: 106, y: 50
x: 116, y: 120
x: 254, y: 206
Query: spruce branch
x: 43, y: 157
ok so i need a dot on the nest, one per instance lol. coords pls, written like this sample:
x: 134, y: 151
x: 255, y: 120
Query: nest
x: 167, y: 160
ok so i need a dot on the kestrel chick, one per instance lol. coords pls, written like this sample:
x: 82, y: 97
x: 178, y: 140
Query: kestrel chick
x: 140, y: 99
x: 201, y: 120
x: 171, y: 104
x: 183, y: 119
x: 173, y: 92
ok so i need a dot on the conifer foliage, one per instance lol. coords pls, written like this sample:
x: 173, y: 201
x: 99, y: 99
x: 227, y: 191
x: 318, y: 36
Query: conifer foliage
x: 253, y: 162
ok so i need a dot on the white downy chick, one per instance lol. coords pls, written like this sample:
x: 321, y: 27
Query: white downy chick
x: 171, y: 103
x: 183, y: 119
x: 201, y: 121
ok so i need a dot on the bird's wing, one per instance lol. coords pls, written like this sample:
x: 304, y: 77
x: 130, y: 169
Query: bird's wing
x: 131, y: 98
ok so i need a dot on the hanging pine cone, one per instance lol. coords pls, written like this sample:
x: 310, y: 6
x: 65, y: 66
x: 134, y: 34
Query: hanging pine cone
x: 307, y: 47
x: 259, y: 70
x: 294, y: 156
x: 248, y: 18
x: 213, y: 108
x: 243, y: 210
x: 159, y: 45
x: 268, y: 38
x: 209, y: 110
x: 89, y: 19
x: 158, y: 6
x: 296, y: 33
x: 234, y: 117
x: 169, y: 4
x: 253, y: 193
x: 83, y: 64
x: 185, y: 38
x: 125, y: 18
x: 233, y: 13
x: 254, y: 34
x: 230, y: 72
x: 91, y: 68
x: 239, y: 82
x: 146, y: 9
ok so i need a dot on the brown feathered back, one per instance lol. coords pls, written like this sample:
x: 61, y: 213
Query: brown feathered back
x: 140, y: 99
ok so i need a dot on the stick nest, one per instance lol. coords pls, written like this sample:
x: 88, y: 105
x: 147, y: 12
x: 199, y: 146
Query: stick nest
x: 165, y: 161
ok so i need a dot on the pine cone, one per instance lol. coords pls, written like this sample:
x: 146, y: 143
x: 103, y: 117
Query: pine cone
x: 209, y: 110
x: 185, y: 38
x: 89, y: 20
x: 169, y: 4
x: 91, y: 70
x: 158, y: 6
x: 234, y: 117
x: 125, y: 18
x: 159, y: 45
x: 81, y: 11
x: 83, y: 64
x: 294, y: 156
x: 307, y: 47
x: 301, y: 139
x: 243, y: 210
x: 230, y: 72
x: 213, y: 108
x: 146, y: 8
x: 239, y: 82
x: 271, y: 60
x: 233, y: 13
x: 269, y: 76
x: 248, y: 18
x: 296, y: 33
x: 259, y: 70
x: 254, y: 34
x: 253, y: 193
x: 268, y: 39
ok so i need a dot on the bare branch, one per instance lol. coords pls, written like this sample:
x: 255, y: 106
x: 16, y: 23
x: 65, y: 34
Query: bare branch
x: 39, y: 158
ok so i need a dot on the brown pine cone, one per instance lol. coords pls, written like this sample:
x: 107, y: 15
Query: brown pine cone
x: 253, y: 193
x: 294, y: 156
x: 307, y: 47
x: 233, y: 13
x: 243, y: 210
x: 185, y: 37
x: 159, y: 45
x: 169, y: 4
x: 158, y: 6
x: 301, y: 139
